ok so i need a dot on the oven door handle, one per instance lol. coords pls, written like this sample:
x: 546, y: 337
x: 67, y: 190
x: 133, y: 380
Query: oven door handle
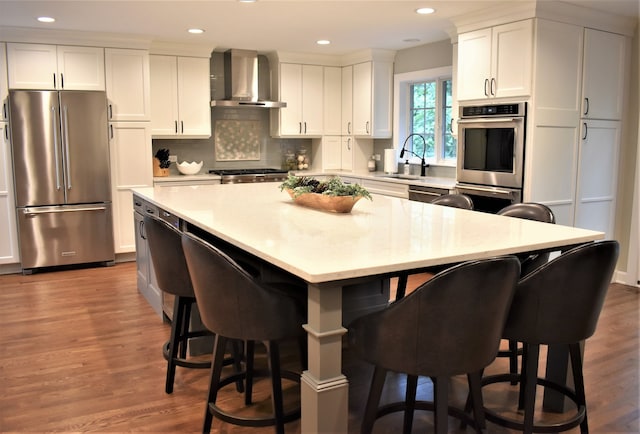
x: 490, y: 190
x: 487, y: 120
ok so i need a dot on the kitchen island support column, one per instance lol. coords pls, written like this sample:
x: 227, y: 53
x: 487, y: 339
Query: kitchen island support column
x: 324, y: 389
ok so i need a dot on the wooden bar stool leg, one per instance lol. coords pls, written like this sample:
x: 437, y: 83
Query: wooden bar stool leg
x: 219, y: 348
x: 276, y: 384
x: 441, y: 401
x: 249, y: 372
x: 410, y: 403
x: 377, y: 383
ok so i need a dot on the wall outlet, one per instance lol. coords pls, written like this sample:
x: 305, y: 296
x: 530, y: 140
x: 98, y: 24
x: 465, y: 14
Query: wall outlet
x: 173, y: 158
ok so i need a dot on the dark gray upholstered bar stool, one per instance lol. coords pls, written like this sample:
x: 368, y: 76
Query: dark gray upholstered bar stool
x: 454, y: 200
x: 528, y: 261
x: 173, y: 277
x: 249, y: 310
x: 451, y: 325
x: 557, y: 304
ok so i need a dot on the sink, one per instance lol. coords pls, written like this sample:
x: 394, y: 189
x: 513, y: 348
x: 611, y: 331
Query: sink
x: 398, y: 176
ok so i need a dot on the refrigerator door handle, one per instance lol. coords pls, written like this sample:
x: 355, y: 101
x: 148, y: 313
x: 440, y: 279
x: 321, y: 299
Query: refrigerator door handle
x: 56, y: 156
x: 29, y: 212
x: 67, y: 154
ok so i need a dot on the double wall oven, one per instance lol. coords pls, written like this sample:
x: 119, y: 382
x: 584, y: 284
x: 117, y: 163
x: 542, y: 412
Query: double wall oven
x: 491, y: 141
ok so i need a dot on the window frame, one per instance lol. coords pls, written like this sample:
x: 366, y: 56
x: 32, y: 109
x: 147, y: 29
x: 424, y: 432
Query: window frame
x: 402, y: 112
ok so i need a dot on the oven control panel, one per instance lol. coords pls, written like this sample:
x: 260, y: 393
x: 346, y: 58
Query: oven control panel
x: 513, y: 109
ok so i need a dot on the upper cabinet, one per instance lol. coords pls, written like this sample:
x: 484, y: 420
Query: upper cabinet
x: 603, y: 74
x: 180, y: 97
x: 495, y: 62
x: 4, y: 89
x: 332, y: 100
x: 301, y: 87
x: 36, y: 66
x: 372, y: 96
x: 347, y: 100
x: 127, y: 84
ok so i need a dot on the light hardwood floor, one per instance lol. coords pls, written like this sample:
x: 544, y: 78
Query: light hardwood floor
x: 80, y: 351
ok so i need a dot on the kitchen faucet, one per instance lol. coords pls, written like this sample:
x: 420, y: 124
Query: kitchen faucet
x: 423, y: 165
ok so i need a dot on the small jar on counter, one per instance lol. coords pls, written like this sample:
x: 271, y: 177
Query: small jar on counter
x: 289, y: 161
x: 302, y: 160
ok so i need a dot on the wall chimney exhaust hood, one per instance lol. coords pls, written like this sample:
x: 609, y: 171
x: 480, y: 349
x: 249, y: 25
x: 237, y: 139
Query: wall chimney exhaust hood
x: 245, y: 81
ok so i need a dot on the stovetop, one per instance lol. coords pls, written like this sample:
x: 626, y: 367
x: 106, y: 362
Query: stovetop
x: 265, y: 171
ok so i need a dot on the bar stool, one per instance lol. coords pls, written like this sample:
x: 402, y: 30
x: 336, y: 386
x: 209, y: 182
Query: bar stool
x: 173, y: 277
x: 247, y: 310
x: 557, y: 304
x: 528, y: 261
x: 455, y: 200
x: 450, y: 325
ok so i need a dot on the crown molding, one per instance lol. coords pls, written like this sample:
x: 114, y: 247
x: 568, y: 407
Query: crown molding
x: 69, y: 37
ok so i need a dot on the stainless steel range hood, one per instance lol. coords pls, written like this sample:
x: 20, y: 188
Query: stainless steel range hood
x: 245, y: 81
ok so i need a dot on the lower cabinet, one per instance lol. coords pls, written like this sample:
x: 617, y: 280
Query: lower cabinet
x: 9, y: 251
x: 131, y: 158
x: 146, y: 276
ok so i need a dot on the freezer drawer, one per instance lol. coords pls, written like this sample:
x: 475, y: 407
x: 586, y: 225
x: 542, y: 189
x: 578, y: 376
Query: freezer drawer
x: 64, y: 235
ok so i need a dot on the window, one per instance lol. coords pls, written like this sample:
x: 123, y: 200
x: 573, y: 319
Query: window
x: 426, y: 108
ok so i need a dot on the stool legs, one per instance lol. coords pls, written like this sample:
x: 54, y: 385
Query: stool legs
x: 178, y: 339
x: 375, y: 391
x: 276, y: 384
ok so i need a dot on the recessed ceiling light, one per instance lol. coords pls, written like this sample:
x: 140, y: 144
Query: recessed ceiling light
x: 323, y: 42
x: 46, y: 19
x: 195, y: 31
x: 247, y: 1
x: 425, y: 11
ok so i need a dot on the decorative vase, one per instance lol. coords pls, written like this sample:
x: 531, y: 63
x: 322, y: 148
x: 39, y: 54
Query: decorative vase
x: 337, y: 204
x: 157, y: 170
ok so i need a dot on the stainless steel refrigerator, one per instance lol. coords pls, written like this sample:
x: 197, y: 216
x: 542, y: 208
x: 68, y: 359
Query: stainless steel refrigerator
x: 60, y: 149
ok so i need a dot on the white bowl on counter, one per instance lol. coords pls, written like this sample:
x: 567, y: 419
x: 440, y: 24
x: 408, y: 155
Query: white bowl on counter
x: 189, y: 168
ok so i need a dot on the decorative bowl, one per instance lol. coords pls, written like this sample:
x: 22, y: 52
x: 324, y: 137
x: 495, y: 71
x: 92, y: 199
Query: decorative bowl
x: 323, y: 202
x: 189, y: 168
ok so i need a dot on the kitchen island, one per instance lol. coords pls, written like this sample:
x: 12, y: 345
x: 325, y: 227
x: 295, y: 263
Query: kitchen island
x: 379, y: 238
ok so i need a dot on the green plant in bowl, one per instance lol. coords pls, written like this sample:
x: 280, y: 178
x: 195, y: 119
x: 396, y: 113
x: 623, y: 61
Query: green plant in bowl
x: 333, y: 186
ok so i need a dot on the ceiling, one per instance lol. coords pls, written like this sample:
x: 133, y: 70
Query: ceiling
x: 267, y: 25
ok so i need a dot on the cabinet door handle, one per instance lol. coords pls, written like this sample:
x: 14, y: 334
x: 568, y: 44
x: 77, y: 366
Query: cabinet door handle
x: 110, y: 111
x: 451, y: 126
x: 305, y: 127
x: 349, y: 143
x: 175, y: 126
x: 486, y: 85
x: 349, y: 127
x: 62, y: 80
x: 111, y: 130
x: 5, y: 115
x: 586, y: 106
x: 493, y: 86
x: 181, y: 127
x: 586, y: 130
x: 54, y: 80
x: 366, y: 127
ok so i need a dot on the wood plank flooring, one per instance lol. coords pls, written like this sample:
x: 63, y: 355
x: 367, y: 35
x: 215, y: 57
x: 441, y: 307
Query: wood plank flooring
x: 80, y: 351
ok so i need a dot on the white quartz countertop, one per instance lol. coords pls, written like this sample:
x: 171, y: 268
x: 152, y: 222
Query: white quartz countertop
x: 186, y: 178
x: 426, y: 181
x: 386, y: 235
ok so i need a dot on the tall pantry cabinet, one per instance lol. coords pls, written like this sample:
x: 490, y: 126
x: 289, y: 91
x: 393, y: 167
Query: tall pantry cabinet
x: 9, y: 252
x: 129, y: 109
x: 573, y: 147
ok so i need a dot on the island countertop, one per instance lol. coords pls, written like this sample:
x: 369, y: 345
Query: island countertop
x: 386, y: 235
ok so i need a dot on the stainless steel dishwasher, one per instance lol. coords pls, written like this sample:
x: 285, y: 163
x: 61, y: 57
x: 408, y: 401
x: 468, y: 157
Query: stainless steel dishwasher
x: 423, y: 193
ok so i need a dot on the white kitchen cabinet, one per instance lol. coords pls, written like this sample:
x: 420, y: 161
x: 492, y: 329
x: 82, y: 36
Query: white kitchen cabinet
x: 495, y: 62
x: 571, y: 163
x: 347, y: 153
x: 131, y: 158
x: 372, y: 98
x: 326, y: 153
x: 347, y: 100
x: 603, y: 74
x: 332, y: 100
x: 128, y: 84
x: 38, y: 66
x: 301, y: 87
x: 598, y: 161
x: 4, y: 86
x: 180, y: 97
x: 9, y: 251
